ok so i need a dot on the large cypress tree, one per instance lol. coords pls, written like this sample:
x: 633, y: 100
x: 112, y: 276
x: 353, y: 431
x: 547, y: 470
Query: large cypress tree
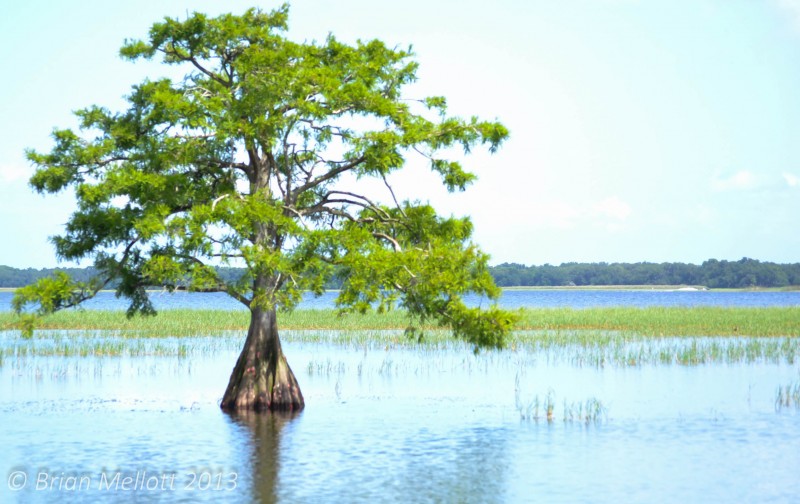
x: 251, y: 159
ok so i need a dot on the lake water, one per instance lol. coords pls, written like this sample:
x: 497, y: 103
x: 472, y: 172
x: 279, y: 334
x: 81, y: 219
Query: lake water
x: 394, y: 423
x: 511, y: 298
x: 391, y: 424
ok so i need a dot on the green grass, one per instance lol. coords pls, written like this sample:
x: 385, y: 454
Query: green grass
x: 670, y: 322
x: 205, y: 322
x: 615, y: 337
x: 653, y: 321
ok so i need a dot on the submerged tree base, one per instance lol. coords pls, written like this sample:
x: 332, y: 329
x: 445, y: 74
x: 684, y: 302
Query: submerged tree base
x: 262, y: 379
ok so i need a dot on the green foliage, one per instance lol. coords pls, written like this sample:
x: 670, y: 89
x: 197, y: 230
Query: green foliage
x: 52, y: 293
x: 246, y: 162
x: 48, y: 295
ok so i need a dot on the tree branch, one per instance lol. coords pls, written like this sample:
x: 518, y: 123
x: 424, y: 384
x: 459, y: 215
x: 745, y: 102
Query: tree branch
x: 369, y: 205
x: 391, y: 191
x: 395, y: 244
x: 327, y: 176
x: 171, y: 49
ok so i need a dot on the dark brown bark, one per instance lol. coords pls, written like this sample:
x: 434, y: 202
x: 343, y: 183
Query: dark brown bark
x: 262, y: 379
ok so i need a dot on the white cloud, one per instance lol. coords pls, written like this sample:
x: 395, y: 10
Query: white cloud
x: 13, y: 173
x: 791, y: 179
x: 742, y: 179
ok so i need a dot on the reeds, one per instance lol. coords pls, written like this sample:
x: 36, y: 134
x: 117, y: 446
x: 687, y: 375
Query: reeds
x: 185, y: 322
x: 594, y: 349
x: 651, y: 321
x: 600, y: 349
x: 589, y: 411
x: 111, y: 344
x: 166, y: 323
x: 788, y: 396
x: 669, y: 321
x: 598, y: 337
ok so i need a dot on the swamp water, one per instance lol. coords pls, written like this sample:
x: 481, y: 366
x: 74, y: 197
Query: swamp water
x: 389, y: 422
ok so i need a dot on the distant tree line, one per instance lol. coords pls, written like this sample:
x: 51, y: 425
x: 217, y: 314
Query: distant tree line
x: 13, y: 277
x: 714, y: 274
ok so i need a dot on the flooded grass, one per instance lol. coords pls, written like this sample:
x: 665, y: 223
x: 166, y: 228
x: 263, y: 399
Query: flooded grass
x: 584, y: 348
x: 670, y: 321
x: 167, y: 323
x: 590, y: 411
x: 109, y: 344
x: 601, y: 349
x: 788, y: 396
x: 651, y: 321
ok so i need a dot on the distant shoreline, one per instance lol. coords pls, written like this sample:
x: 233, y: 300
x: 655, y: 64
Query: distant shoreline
x: 645, y: 287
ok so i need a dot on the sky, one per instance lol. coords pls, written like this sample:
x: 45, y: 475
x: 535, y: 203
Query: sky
x: 641, y: 130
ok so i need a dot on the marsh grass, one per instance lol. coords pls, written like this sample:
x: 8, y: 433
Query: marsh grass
x: 205, y: 322
x: 326, y: 367
x: 111, y: 344
x: 651, y: 321
x: 788, y: 396
x: 600, y: 349
x: 592, y: 410
x: 596, y: 337
x: 669, y: 321
x: 593, y: 349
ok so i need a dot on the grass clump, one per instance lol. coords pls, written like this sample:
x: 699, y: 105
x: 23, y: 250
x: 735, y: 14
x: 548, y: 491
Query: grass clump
x: 587, y: 412
x: 788, y: 396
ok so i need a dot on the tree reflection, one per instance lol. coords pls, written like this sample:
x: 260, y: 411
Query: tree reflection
x: 369, y: 462
x: 264, y: 438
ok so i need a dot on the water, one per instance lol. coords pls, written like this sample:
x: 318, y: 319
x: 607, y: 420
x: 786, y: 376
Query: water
x: 511, y: 298
x: 386, y: 424
x: 390, y: 424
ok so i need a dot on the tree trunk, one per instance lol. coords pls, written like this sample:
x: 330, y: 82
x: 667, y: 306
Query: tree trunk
x: 262, y: 379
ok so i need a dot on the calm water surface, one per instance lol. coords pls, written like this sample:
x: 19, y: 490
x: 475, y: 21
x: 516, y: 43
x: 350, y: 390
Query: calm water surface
x: 511, y: 298
x: 391, y: 424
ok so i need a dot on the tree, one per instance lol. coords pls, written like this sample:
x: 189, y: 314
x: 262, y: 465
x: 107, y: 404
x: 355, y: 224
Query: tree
x: 254, y: 158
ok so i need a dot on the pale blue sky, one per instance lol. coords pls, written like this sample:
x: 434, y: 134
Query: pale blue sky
x: 651, y: 130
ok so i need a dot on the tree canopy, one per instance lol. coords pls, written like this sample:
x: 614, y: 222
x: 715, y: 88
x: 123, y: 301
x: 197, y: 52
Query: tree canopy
x: 254, y: 159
